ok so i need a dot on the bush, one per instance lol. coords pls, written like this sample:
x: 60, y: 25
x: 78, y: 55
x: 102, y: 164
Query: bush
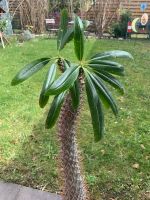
x: 2, y: 25
x: 119, y: 29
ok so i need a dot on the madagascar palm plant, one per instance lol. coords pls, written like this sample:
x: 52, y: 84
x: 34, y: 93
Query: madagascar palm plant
x: 89, y: 74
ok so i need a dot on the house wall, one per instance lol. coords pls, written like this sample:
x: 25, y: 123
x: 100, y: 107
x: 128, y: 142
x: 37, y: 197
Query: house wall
x: 131, y: 5
x: 112, y: 11
x: 134, y: 7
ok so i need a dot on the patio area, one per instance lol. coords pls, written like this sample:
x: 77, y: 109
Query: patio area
x: 9, y: 191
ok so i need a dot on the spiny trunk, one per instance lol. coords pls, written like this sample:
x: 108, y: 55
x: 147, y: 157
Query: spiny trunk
x: 74, y: 188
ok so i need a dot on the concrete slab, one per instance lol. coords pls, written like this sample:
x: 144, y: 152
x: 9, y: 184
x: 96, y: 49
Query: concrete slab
x: 9, y: 191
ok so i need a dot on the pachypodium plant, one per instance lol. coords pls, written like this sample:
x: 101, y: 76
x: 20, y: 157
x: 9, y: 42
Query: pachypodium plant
x: 87, y: 75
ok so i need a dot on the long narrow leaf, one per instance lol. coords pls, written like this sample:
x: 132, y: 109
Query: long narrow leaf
x: 105, y: 62
x: 75, y: 94
x: 67, y: 38
x: 111, y: 80
x: 48, y: 81
x: 67, y: 64
x: 112, y: 54
x: 78, y: 38
x: 54, y: 110
x: 95, y: 109
x: 63, y: 27
x: 108, y: 68
x: 86, y: 23
x: 101, y: 88
x: 64, y: 82
x: 29, y: 70
x: 75, y: 89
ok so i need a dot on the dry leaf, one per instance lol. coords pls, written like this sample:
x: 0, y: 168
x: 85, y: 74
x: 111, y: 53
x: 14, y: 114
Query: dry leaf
x: 147, y: 157
x: 147, y: 195
x: 136, y: 166
x: 103, y: 151
x: 142, y: 146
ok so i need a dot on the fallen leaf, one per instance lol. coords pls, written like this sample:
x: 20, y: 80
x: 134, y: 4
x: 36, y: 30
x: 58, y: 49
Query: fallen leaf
x: 136, y: 166
x: 34, y: 158
x: 13, y: 141
x: 147, y: 157
x: 147, y: 195
x: 103, y: 151
x: 142, y: 146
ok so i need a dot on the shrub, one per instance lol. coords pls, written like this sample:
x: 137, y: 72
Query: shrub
x: 2, y: 25
x: 119, y: 29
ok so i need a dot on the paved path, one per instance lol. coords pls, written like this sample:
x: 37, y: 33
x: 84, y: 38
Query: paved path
x: 9, y: 191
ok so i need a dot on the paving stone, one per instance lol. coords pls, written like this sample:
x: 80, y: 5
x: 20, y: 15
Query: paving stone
x: 32, y: 194
x: 9, y: 191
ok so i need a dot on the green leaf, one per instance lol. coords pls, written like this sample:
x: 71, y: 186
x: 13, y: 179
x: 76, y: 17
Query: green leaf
x: 75, y: 94
x: 63, y: 27
x: 67, y: 64
x: 105, y: 62
x: 64, y: 82
x: 102, y: 90
x: 112, y: 54
x: 111, y: 80
x: 54, y: 110
x: 95, y: 109
x: 67, y: 38
x: 86, y: 23
x: 117, y: 70
x: 29, y: 70
x: 78, y: 38
x: 75, y: 89
x: 48, y: 81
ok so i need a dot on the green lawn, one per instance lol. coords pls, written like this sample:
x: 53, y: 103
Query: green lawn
x: 117, y: 167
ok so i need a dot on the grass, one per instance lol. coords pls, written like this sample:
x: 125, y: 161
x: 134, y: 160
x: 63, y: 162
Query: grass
x: 115, y: 168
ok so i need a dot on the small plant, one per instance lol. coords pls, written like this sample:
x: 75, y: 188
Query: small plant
x: 89, y: 74
x: 119, y: 29
x: 3, y: 24
x: 29, y: 27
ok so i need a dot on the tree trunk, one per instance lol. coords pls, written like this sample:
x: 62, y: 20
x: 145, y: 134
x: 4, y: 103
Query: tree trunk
x: 74, y: 188
x: 100, y: 34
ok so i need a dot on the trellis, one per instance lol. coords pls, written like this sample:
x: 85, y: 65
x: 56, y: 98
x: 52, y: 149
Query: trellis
x: 103, y: 12
x: 31, y: 13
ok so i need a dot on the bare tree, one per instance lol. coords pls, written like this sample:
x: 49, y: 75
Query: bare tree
x: 105, y: 11
x: 32, y: 13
